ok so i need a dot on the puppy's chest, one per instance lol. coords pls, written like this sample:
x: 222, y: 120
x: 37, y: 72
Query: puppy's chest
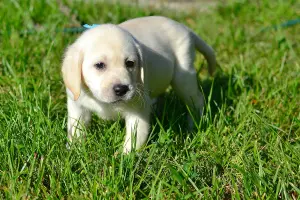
x: 104, y: 111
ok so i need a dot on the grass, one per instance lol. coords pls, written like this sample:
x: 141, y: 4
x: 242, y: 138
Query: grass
x: 247, y: 144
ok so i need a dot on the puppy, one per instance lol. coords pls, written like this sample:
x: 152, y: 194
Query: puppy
x: 118, y: 70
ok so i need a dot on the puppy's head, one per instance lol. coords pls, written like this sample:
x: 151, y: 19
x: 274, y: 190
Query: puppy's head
x: 108, y: 60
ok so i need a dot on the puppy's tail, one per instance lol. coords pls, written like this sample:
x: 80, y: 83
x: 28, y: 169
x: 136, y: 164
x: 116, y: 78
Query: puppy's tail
x: 207, y: 51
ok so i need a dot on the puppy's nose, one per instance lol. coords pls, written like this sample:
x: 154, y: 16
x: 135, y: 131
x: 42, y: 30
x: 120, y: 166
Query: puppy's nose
x: 120, y: 90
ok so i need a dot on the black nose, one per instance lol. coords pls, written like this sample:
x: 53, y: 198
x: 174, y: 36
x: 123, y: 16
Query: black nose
x: 120, y: 90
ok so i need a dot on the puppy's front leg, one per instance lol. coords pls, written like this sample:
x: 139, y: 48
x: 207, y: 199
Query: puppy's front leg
x: 137, y: 130
x: 77, y: 118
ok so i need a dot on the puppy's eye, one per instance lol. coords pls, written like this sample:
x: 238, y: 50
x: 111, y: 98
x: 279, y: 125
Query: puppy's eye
x: 129, y: 64
x: 100, y: 65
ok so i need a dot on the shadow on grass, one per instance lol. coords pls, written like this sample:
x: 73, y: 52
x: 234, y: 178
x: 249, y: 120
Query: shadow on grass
x: 171, y: 112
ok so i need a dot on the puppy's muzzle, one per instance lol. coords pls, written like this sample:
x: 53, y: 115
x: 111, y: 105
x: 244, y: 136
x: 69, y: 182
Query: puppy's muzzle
x: 120, y: 89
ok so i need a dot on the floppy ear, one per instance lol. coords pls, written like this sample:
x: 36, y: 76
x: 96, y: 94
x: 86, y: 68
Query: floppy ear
x: 141, y: 60
x: 71, y: 70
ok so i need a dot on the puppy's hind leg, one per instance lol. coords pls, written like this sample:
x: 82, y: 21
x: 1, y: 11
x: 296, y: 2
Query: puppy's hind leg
x: 186, y: 87
x: 185, y: 83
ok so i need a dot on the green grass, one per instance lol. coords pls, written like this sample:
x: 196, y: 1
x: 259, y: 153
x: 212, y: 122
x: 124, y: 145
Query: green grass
x: 247, y: 144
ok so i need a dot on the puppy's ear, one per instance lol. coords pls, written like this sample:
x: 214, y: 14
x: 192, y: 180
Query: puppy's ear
x: 141, y: 60
x: 71, y: 70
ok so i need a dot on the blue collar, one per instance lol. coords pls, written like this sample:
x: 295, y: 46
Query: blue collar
x: 87, y: 26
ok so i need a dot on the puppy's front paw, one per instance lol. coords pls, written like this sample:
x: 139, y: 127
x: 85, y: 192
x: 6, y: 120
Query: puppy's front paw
x: 68, y: 145
x: 126, y: 150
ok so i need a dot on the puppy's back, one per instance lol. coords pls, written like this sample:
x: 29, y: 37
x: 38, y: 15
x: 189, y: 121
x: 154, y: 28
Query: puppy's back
x: 161, y: 34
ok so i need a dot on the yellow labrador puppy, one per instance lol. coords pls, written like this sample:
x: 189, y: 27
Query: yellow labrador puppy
x: 117, y: 70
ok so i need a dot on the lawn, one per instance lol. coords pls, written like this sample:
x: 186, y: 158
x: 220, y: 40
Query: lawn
x: 246, y: 146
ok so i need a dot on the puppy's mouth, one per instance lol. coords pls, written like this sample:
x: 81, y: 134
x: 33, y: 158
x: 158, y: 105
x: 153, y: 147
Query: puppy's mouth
x: 126, y: 98
x: 117, y: 101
